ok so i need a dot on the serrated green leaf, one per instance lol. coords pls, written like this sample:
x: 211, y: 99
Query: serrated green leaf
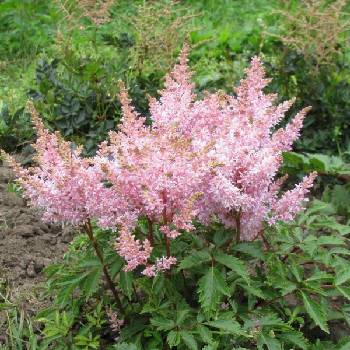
x: 162, y: 323
x: 233, y: 263
x: 319, y: 276
x: 182, y: 312
x: 205, y: 334
x: 189, y: 340
x: 194, y: 259
x: 271, y: 319
x: 316, y: 312
x: 126, y: 279
x: 345, y: 346
x: 253, y: 290
x: 296, y: 338
x: 345, y: 291
x: 330, y: 240
x: 173, y: 338
x: 211, y: 287
x: 230, y: 326
x: 90, y: 284
x: 342, y: 276
x: 254, y: 249
x: 332, y: 224
x: 271, y: 342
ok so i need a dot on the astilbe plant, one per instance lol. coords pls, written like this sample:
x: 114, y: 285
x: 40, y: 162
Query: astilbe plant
x: 201, y: 161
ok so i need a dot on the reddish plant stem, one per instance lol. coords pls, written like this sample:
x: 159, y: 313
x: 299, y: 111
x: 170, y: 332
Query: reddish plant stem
x: 165, y: 222
x: 150, y: 231
x: 167, y: 246
x: 89, y: 232
x: 238, y: 227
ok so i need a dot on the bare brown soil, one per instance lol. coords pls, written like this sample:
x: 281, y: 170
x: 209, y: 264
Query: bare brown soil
x: 27, y: 246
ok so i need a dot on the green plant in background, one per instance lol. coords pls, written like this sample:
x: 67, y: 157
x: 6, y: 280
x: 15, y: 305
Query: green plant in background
x: 314, y: 59
x: 26, y: 27
x: 81, y: 104
x: 15, y: 128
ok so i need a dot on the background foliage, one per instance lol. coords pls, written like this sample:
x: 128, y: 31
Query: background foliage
x: 68, y: 55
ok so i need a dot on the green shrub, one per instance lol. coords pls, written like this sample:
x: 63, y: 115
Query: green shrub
x: 290, y: 291
x: 15, y: 128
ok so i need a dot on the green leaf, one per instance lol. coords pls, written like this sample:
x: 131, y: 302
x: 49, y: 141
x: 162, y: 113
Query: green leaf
x: 332, y: 224
x: 230, y: 326
x: 205, y: 334
x: 254, y: 290
x: 126, y: 279
x: 125, y: 346
x: 342, y: 276
x: 296, y: 338
x: 346, y: 313
x: 182, y: 312
x: 330, y: 240
x: 194, y: 259
x: 173, y: 338
x: 345, y: 291
x: 233, y: 263
x: 213, y: 346
x: 162, y: 323
x: 316, y: 312
x: 268, y: 340
x: 189, y: 340
x: 345, y: 346
x: 254, y: 249
x: 115, y: 265
x: 91, y: 282
x: 319, y: 276
x: 211, y: 287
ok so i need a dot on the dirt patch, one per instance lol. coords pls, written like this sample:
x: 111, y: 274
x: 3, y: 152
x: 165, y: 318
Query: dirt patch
x: 27, y: 245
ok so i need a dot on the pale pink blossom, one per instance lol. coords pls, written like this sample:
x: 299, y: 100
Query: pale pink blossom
x: 215, y: 158
x: 161, y: 264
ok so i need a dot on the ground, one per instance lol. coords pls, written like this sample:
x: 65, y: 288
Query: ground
x: 27, y: 245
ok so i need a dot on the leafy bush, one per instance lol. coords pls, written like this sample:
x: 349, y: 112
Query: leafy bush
x: 26, y: 27
x: 286, y: 292
x: 79, y: 104
x: 245, y: 275
x: 14, y: 128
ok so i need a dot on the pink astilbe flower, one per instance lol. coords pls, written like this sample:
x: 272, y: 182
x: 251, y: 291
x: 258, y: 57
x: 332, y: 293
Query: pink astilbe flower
x: 214, y: 158
x: 132, y: 250
x: 292, y: 201
x: 64, y: 185
x: 248, y: 155
x: 114, y: 321
x: 158, y: 169
x: 162, y: 264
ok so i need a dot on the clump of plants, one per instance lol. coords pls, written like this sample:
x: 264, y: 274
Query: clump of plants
x: 188, y: 223
x: 15, y: 130
x: 313, y: 65
x: 317, y: 30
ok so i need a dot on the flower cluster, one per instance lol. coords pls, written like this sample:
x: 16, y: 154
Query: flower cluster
x: 211, y: 159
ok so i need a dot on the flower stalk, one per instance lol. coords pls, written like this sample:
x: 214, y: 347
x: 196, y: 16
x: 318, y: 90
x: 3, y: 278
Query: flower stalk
x: 89, y: 231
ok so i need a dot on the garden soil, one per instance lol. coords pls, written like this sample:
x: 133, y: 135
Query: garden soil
x: 27, y: 245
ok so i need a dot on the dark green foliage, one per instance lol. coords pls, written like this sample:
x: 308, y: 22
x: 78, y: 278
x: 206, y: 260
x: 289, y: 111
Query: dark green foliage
x: 26, y: 27
x: 290, y: 291
x: 77, y: 103
x: 326, y: 90
x: 15, y: 128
